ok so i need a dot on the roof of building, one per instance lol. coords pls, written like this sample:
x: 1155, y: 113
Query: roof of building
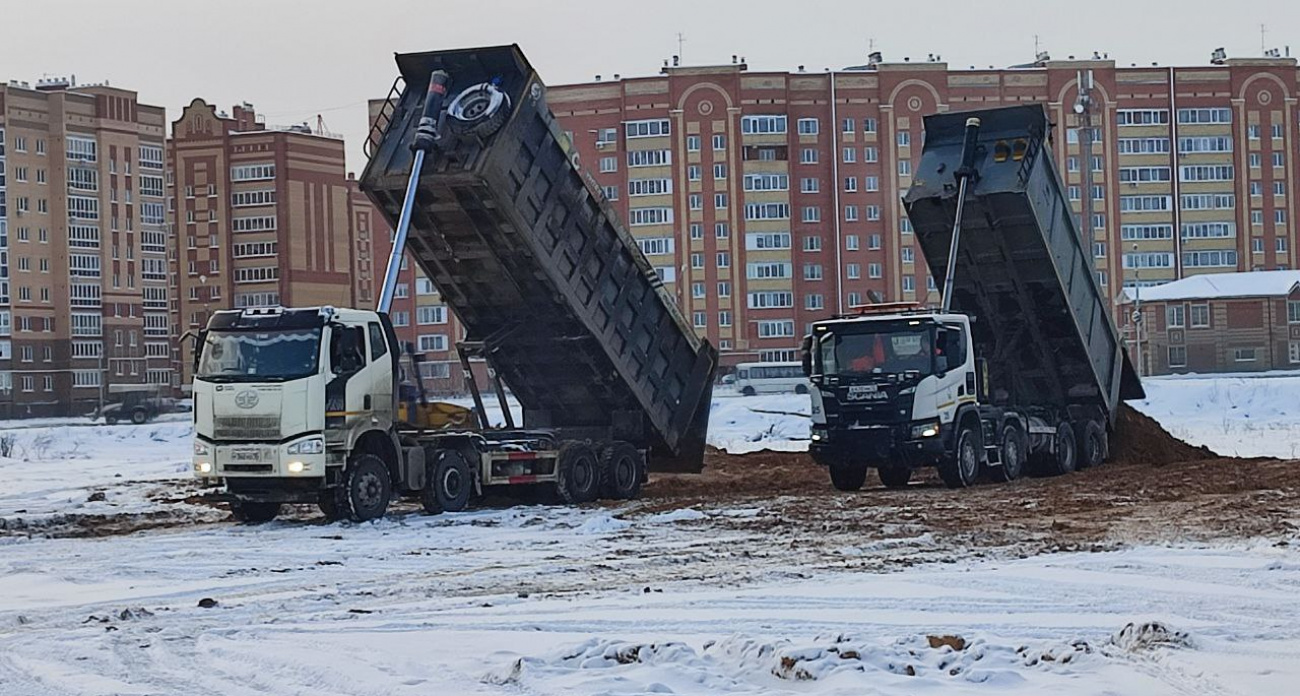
x: 1224, y: 285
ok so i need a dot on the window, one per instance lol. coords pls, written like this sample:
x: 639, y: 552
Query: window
x: 1206, y: 172
x: 1210, y: 230
x: 48, y: 382
x: 241, y: 199
x: 1210, y: 259
x: 252, y: 172
x: 724, y: 289
x: 646, y: 129
x: 719, y: 201
x: 873, y: 242
x: 766, y: 182
x: 1139, y: 175
x: 1279, y: 216
x: 808, y: 126
x: 1279, y: 188
x: 79, y: 148
x: 650, y: 216
x: 762, y: 241
x: 869, y: 125
x: 775, y: 299
x: 1174, y: 316
x: 873, y: 212
x: 262, y: 223
x: 1143, y: 146
x: 871, y: 183
x: 697, y: 231
x: 399, y: 318
x: 608, y: 164
x: 776, y: 329
x: 610, y: 192
x: 1255, y: 160
x: 1177, y: 356
x: 762, y: 124
x: 1277, y: 131
x: 851, y: 242
x: 719, y: 142
x: 692, y: 143
x: 1252, y: 131
x: 1257, y: 245
x: 909, y: 283
x: 808, y: 156
x: 700, y: 319
x: 767, y: 211
x: 855, y: 299
x: 432, y: 343
x: 431, y: 315
x: 1278, y: 161
x: 724, y: 318
x: 850, y: 184
x: 814, y: 301
x: 812, y: 242
x: 870, y: 154
x: 724, y: 259
x: 693, y: 172
x: 904, y: 167
x: 1074, y: 193
x: 850, y: 155
x: 812, y: 271
x: 1256, y: 188
x: 1243, y: 355
x: 1293, y: 352
x: 697, y: 291
x: 1133, y: 233
x: 81, y: 208
x: 904, y: 138
x: 1136, y: 204
x: 402, y: 290
x: 846, y: 125
x: 1279, y: 245
x: 1200, y: 316
x: 1209, y: 201
x: 649, y: 158
x: 1097, y: 164
x: 908, y: 254
x: 697, y: 261
x: 1142, y: 117
x: 1099, y: 250
x: 258, y: 275
x: 809, y: 185
x: 1072, y: 164
x: 719, y: 171
x: 905, y: 226
x: 1149, y: 260
x: 721, y: 230
x: 695, y: 201
x: 1205, y: 115
x: 1213, y: 143
x: 853, y: 271
x: 812, y: 213
x: 151, y: 157
x: 656, y: 245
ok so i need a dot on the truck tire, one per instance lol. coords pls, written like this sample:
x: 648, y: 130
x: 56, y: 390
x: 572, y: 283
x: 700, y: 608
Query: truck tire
x: 254, y: 513
x: 1065, y: 450
x: 110, y: 420
x: 450, y: 484
x: 1092, y: 445
x: 748, y: 391
x: 1013, y: 454
x: 847, y: 476
x: 621, y: 471
x: 578, y: 472
x: 895, y: 476
x: 366, y: 489
x: 963, y: 467
x: 139, y: 416
x: 478, y: 110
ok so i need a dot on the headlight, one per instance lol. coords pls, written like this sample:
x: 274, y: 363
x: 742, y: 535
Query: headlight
x: 296, y: 467
x: 201, y: 449
x: 925, y: 430
x: 203, y: 467
x: 313, y: 446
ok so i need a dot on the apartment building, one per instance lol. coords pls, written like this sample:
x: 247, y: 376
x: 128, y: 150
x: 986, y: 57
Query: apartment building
x: 83, y: 278
x: 1229, y: 322
x: 770, y: 200
x: 261, y: 217
x: 420, y: 317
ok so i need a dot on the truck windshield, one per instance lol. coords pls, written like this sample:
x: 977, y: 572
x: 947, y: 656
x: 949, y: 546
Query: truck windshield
x: 887, y: 350
x: 256, y: 356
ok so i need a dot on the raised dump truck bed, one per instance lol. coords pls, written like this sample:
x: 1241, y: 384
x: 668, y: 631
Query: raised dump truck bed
x: 537, y: 265
x: 1023, y: 272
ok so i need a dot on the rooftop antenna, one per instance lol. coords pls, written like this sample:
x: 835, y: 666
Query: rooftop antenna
x: 1263, y: 29
x: 1038, y: 46
x: 681, y: 41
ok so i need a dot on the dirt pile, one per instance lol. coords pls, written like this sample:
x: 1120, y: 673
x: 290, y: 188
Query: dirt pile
x: 1139, y: 439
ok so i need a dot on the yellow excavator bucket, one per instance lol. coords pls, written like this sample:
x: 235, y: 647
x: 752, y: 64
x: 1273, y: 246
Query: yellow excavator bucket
x: 436, y: 415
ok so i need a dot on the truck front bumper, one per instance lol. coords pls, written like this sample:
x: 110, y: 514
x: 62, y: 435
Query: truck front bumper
x: 298, y: 459
x: 916, y: 443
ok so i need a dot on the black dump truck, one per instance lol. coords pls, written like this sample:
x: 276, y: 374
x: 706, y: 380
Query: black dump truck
x: 1022, y: 363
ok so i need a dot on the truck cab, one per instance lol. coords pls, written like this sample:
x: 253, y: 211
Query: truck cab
x: 281, y: 396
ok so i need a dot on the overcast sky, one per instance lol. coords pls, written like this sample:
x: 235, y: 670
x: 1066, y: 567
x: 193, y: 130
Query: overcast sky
x: 294, y: 60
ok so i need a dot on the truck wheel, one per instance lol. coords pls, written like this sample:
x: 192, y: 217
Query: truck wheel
x: 846, y: 476
x: 254, y: 513
x: 1067, y: 448
x: 895, y: 476
x: 1092, y: 445
x: 110, y: 420
x: 961, y: 469
x: 366, y: 489
x: 1013, y: 455
x: 450, y: 484
x: 621, y: 471
x: 748, y: 391
x: 800, y: 389
x: 578, y: 473
x: 139, y: 416
x: 479, y: 110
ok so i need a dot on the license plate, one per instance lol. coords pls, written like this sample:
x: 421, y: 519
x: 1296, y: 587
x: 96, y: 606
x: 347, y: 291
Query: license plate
x: 247, y: 455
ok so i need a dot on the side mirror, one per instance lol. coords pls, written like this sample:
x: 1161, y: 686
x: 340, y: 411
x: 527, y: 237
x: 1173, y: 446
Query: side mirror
x: 807, y: 356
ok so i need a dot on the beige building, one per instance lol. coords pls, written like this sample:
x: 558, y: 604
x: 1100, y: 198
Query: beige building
x: 83, y: 265
x: 260, y: 215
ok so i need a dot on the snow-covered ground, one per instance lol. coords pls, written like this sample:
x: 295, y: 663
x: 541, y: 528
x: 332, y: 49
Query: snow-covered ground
x: 567, y: 601
x: 1244, y: 415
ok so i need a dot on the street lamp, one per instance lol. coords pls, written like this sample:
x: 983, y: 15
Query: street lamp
x: 1137, y: 307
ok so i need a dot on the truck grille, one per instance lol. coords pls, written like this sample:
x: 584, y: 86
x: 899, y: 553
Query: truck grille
x: 246, y: 428
x: 249, y: 468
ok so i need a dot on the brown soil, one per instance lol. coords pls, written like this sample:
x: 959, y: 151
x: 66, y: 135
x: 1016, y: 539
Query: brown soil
x: 1139, y: 439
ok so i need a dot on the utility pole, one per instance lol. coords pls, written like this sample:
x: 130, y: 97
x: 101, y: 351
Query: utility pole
x: 1083, y: 109
x: 1137, y: 307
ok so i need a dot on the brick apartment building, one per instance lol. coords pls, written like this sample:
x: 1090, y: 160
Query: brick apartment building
x: 1229, y: 322
x: 83, y: 269
x: 261, y: 217
x: 770, y: 200
x: 419, y: 315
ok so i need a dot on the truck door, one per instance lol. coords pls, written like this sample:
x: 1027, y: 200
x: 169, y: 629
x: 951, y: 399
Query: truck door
x: 380, y: 376
x: 347, y: 395
x: 952, y: 362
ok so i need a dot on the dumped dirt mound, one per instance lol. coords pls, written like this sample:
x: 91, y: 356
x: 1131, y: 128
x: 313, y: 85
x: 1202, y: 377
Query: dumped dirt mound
x: 1139, y: 439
